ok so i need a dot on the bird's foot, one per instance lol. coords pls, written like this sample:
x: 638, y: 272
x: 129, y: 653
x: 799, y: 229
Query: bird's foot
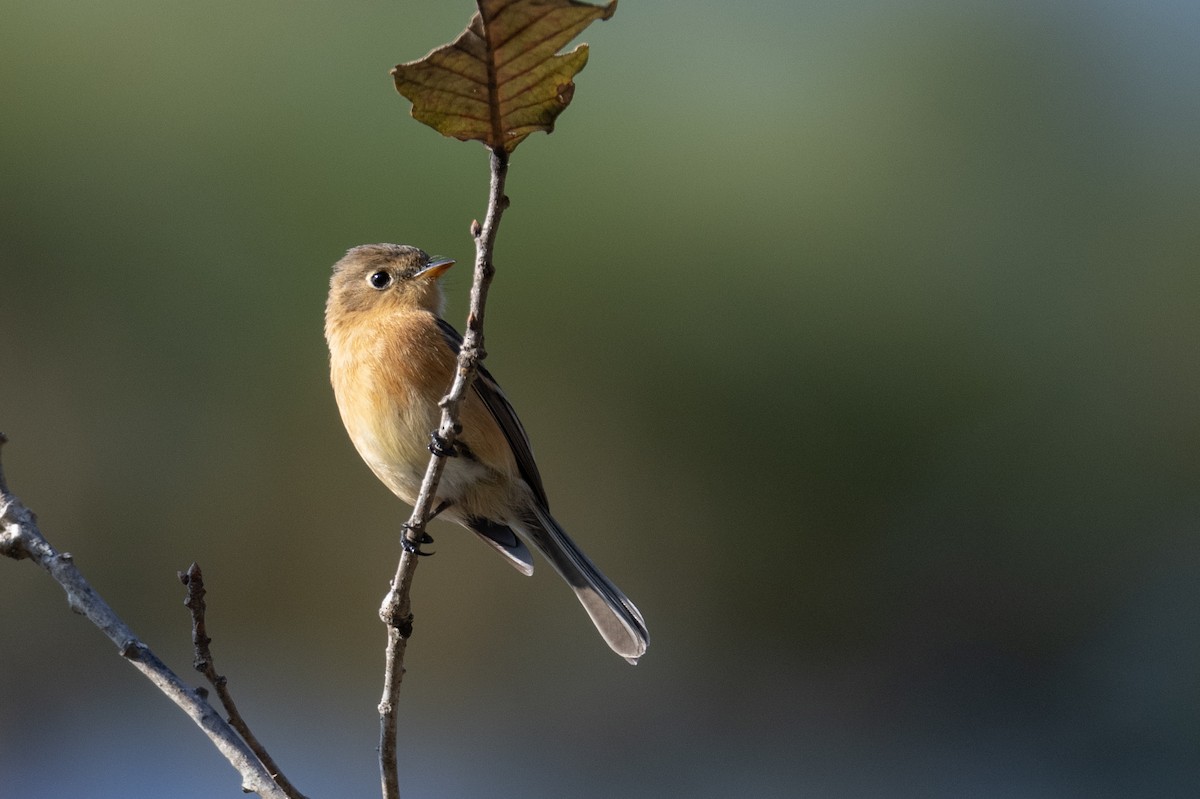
x: 412, y: 546
x: 440, y: 446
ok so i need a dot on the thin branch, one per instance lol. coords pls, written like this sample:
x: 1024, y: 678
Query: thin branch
x: 194, y: 580
x: 396, y: 611
x: 20, y: 538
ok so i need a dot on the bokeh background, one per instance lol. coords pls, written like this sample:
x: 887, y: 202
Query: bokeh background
x: 858, y: 343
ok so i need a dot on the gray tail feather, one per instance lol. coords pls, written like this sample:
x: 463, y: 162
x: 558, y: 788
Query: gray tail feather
x: 501, y: 538
x: 617, y: 619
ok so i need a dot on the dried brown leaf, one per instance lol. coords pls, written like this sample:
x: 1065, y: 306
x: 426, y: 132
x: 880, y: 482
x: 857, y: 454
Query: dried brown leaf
x: 503, y: 77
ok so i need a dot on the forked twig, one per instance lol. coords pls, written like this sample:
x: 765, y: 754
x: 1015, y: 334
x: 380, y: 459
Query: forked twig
x: 20, y: 538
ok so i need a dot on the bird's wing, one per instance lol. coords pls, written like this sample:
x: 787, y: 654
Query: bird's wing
x: 493, y: 397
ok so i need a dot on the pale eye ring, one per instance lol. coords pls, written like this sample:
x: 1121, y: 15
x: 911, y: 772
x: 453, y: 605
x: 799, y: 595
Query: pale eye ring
x: 380, y: 280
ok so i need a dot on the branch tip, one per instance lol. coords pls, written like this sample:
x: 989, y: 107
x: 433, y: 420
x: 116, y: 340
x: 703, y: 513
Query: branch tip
x: 203, y: 662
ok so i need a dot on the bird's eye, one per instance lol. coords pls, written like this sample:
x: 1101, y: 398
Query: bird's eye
x: 379, y: 280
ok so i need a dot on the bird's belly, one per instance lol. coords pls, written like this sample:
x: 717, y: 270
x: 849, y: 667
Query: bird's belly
x: 461, y: 477
x: 391, y: 437
x: 393, y: 463
x: 396, y: 448
x: 392, y: 433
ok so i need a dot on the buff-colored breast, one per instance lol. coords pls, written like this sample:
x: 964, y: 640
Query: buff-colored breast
x: 389, y: 370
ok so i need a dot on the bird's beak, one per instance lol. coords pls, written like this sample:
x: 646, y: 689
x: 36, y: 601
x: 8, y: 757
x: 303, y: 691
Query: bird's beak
x: 435, y: 268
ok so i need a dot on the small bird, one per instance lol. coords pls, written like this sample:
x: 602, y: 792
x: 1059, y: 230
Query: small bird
x: 392, y: 357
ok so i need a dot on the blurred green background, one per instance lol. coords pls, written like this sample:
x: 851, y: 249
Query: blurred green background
x: 858, y: 343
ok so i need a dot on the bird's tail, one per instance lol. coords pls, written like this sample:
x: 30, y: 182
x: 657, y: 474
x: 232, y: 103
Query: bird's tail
x: 617, y: 619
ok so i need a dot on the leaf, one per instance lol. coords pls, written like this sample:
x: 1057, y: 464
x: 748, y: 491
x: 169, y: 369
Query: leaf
x: 503, y: 77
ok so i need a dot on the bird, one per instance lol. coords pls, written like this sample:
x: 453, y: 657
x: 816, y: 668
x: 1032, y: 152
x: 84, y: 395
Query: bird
x: 392, y: 357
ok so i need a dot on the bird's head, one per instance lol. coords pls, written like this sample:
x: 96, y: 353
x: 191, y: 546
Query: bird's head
x: 387, y: 278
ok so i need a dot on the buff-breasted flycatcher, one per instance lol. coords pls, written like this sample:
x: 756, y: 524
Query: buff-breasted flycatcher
x: 392, y: 358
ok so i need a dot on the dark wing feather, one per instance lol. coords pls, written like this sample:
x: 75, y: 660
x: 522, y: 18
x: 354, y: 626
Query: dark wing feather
x: 489, y: 391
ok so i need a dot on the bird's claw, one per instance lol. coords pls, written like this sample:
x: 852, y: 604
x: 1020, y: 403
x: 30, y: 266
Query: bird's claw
x: 414, y: 547
x: 440, y: 446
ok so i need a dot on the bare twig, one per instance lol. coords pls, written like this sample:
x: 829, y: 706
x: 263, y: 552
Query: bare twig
x: 194, y: 580
x: 20, y: 538
x: 396, y: 611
